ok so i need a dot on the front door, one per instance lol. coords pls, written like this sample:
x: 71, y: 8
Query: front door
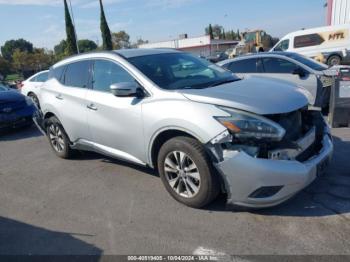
x: 115, y: 122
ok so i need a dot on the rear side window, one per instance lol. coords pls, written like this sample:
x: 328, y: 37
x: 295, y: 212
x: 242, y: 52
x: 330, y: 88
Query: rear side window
x: 33, y: 79
x: 308, y: 40
x: 77, y: 74
x: 42, y: 77
x: 57, y: 73
x: 245, y: 66
x: 107, y: 73
x: 278, y: 65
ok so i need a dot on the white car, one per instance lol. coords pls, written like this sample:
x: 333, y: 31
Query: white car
x: 31, y: 86
x: 328, y: 43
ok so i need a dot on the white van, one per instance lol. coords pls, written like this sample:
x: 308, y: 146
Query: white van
x: 328, y: 44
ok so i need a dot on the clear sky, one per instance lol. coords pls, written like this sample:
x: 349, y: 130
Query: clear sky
x: 42, y: 21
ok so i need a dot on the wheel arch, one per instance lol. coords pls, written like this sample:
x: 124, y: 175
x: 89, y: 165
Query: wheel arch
x: 161, y: 137
x: 49, y: 114
x: 334, y: 54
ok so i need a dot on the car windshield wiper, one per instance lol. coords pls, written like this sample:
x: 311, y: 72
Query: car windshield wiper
x: 221, y: 82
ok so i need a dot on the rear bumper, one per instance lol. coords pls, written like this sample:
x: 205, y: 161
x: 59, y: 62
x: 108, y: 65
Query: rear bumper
x: 244, y: 175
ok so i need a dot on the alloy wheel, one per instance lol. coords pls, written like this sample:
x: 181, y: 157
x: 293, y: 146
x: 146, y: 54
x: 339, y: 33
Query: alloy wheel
x: 56, y: 138
x: 182, y: 174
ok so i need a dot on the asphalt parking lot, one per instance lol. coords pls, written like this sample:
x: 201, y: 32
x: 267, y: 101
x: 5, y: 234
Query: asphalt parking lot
x: 96, y: 205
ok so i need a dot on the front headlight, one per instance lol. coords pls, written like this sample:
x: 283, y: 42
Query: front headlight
x: 246, y: 125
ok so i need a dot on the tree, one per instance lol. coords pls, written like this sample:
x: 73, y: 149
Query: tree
x: 238, y: 35
x: 60, y: 49
x: 106, y: 33
x: 20, y: 60
x: 28, y: 63
x: 223, y: 36
x: 209, y: 31
x: 5, y: 67
x: 121, y: 40
x: 10, y: 46
x: 71, y: 47
x: 86, y: 45
x: 139, y: 42
x: 214, y: 31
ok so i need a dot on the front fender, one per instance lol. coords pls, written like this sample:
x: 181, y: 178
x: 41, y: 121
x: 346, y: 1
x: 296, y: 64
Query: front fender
x: 196, y: 119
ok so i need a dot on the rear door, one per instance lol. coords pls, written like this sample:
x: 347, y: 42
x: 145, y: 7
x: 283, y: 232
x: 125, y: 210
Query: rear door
x: 33, y: 84
x: 245, y: 67
x: 70, y: 99
x: 285, y: 69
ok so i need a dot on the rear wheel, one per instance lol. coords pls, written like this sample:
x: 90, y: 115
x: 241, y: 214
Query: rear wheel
x: 58, y: 139
x: 334, y: 60
x: 187, y: 173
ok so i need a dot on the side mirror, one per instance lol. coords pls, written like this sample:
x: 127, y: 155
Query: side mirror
x: 299, y: 71
x: 125, y: 89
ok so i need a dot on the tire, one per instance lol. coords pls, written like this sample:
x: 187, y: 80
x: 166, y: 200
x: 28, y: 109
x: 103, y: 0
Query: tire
x: 35, y: 99
x: 193, y: 185
x: 58, y: 138
x: 334, y: 60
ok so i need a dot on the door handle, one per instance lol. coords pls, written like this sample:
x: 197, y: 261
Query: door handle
x: 92, y: 107
x: 60, y: 97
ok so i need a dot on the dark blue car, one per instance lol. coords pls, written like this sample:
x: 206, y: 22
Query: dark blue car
x: 16, y: 110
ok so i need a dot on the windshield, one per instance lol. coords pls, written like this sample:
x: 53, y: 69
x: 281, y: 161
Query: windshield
x: 313, y: 64
x: 180, y: 70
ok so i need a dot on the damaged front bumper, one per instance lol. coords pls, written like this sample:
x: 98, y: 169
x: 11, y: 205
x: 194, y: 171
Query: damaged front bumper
x: 263, y: 182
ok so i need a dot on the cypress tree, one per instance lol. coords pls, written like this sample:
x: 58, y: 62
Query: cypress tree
x: 71, y: 48
x: 238, y: 35
x: 106, y: 33
x: 210, y: 31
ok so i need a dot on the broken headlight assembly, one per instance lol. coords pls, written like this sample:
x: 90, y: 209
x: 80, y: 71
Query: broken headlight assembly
x: 244, y: 125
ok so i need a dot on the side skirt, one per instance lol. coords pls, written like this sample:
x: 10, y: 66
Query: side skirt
x: 86, y: 145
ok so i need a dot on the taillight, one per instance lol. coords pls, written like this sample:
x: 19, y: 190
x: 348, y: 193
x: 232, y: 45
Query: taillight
x: 20, y: 85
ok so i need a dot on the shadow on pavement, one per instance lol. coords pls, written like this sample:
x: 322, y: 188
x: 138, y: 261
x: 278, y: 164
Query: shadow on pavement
x: 20, y: 133
x: 17, y: 238
x: 327, y: 195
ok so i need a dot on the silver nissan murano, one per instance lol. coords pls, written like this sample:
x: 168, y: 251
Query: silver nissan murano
x: 205, y: 130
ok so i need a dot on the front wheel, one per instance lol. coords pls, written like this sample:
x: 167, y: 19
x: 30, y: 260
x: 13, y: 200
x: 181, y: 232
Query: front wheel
x: 187, y: 173
x: 334, y: 60
x: 58, y: 139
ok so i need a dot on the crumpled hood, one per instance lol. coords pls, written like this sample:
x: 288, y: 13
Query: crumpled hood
x: 258, y: 95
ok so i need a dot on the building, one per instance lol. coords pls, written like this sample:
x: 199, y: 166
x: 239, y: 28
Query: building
x: 338, y: 12
x: 201, y: 46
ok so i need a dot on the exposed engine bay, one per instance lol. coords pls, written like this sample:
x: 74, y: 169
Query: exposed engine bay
x: 303, y: 138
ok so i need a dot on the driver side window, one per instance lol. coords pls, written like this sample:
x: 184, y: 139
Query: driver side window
x: 106, y: 73
x: 282, y: 46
